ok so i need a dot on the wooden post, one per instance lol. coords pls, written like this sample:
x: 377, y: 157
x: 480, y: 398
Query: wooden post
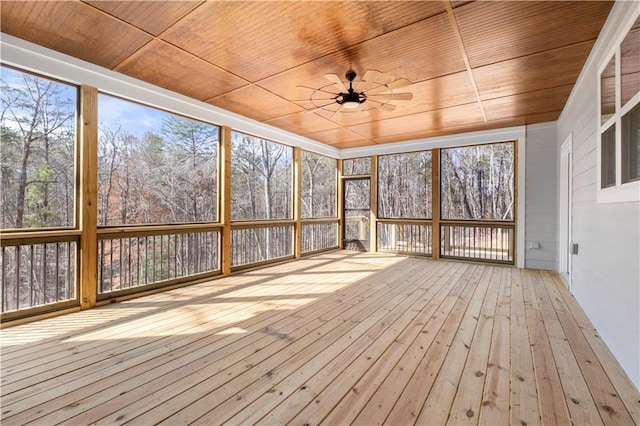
x: 340, y: 204
x: 373, y: 220
x: 88, y: 196
x: 516, y: 184
x: 225, y: 198
x: 297, y: 201
x: 435, y: 204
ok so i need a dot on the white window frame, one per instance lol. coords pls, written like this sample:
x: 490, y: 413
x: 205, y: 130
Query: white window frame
x: 620, y: 192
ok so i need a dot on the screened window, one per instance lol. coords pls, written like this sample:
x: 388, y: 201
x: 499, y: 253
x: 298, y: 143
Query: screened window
x: 477, y: 182
x: 37, y: 146
x: 630, y: 64
x: 319, y: 184
x: 261, y: 182
x: 608, y: 153
x: 37, y: 190
x: 630, y: 87
x: 404, y: 185
x: 356, y: 166
x: 619, y: 135
x: 631, y: 145
x: 608, y: 91
x: 154, y: 167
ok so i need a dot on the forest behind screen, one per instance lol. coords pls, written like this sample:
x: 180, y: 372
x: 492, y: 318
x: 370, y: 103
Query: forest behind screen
x: 170, y: 175
x: 160, y: 168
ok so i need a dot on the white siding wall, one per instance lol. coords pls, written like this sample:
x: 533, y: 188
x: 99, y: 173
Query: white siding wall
x: 606, y: 271
x: 541, y: 197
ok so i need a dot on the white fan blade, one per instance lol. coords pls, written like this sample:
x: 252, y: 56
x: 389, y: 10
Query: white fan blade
x: 312, y: 100
x: 333, y: 78
x: 372, y: 76
x: 392, y: 96
x: 403, y: 82
x: 317, y: 90
x: 322, y: 108
x: 383, y: 106
x: 335, y: 112
x: 396, y: 84
x: 362, y: 112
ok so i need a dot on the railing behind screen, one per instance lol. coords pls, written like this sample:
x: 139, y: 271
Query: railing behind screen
x: 256, y: 243
x: 126, y: 262
x: 483, y: 242
x: 318, y: 236
x: 37, y: 274
x: 409, y: 238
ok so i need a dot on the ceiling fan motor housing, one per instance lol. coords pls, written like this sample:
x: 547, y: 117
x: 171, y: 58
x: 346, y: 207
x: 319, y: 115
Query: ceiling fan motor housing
x: 351, y: 97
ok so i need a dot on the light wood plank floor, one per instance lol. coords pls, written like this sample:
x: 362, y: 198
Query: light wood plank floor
x: 340, y: 338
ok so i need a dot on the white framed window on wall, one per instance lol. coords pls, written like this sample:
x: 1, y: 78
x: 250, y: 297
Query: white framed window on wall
x: 619, y: 119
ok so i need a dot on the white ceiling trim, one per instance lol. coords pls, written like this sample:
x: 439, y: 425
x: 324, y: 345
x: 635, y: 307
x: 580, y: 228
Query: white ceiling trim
x: 460, y: 139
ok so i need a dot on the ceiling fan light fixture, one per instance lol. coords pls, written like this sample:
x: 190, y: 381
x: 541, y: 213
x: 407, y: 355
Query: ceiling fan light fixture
x: 351, y: 99
x: 351, y: 104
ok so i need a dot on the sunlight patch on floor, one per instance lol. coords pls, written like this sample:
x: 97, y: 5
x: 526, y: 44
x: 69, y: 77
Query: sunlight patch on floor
x: 71, y: 323
x: 232, y: 330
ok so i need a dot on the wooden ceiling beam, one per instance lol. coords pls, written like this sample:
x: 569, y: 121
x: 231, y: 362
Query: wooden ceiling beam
x: 465, y: 57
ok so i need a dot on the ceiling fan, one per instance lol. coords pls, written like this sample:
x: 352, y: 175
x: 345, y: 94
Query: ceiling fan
x: 371, y: 92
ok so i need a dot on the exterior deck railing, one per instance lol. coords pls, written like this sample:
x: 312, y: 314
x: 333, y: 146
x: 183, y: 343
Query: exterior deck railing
x: 38, y: 270
x: 467, y: 240
x: 257, y: 242
x: 402, y: 236
x: 319, y: 234
x: 480, y: 241
x: 146, y: 256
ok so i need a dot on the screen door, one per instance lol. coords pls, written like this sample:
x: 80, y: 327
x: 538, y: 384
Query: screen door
x: 357, y: 211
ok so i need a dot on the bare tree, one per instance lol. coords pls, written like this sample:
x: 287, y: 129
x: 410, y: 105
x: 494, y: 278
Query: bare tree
x: 38, y: 111
x: 478, y: 182
x: 318, y: 186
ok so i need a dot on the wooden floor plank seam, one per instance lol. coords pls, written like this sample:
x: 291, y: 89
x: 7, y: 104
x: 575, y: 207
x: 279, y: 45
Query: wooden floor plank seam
x: 439, y: 400
x: 496, y: 392
x: 524, y: 393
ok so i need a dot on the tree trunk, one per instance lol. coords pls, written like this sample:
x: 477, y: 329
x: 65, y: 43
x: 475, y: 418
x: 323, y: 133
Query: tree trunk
x: 22, y: 180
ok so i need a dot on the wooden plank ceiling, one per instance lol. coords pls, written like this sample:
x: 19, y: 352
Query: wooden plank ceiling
x: 474, y: 65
